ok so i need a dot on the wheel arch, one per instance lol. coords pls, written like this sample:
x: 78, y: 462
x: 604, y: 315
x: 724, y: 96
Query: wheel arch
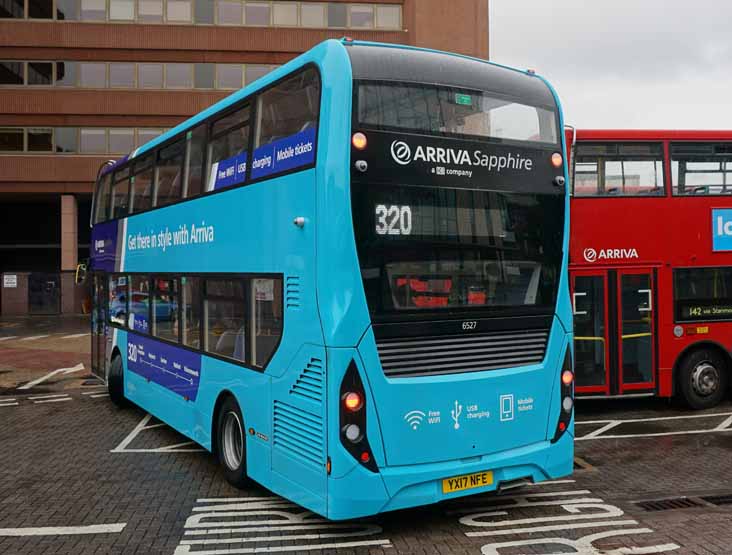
x: 705, y: 343
x: 222, y: 396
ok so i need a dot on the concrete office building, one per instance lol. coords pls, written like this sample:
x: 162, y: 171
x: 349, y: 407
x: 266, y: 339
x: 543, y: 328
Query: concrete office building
x: 83, y: 81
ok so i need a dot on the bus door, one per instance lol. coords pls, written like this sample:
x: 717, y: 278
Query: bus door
x: 98, y: 325
x: 615, y: 330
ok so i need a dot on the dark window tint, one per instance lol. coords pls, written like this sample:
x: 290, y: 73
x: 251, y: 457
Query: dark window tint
x: 142, y: 185
x: 11, y: 140
x: 66, y: 139
x: 67, y: 10
x: 204, y: 12
x: 196, y: 145
x: 191, y: 311
x: 701, y: 168
x: 615, y: 169
x: 289, y: 108
x: 40, y: 140
x: 40, y: 73
x: 117, y: 300
x: 140, y: 304
x: 120, y: 194
x: 203, y: 76
x: 703, y: 294
x: 170, y: 174
x: 102, y: 200
x: 66, y: 74
x: 11, y: 73
x: 267, y: 319
x: 40, y: 9
x: 337, y: 15
x: 228, y: 146
x: 225, y: 310
x: 165, y: 308
x: 12, y: 9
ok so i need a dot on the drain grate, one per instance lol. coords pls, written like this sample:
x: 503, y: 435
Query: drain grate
x: 719, y: 499
x: 668, y: 504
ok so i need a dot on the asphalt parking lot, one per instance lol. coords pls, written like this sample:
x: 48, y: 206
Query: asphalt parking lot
x: 79, y: 475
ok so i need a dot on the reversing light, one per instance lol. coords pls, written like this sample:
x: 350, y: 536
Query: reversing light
x: 359, y: 141
x: 567, y: 404
x: 352, y: 401
x: 557, y: 160
x: 353, y: 433
x: 567, y: 377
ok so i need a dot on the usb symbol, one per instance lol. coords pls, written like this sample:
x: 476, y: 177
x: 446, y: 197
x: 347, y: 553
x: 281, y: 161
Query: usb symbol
x: 456, y: 412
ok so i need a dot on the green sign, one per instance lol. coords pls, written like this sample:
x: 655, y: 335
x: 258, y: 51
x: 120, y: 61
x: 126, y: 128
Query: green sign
x: 464, y: 99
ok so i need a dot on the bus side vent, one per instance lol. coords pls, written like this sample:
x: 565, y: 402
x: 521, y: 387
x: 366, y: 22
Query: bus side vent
x: 292, y: 292
x: 299, y: 434
x: 432, y: 355
x: 309, y: 384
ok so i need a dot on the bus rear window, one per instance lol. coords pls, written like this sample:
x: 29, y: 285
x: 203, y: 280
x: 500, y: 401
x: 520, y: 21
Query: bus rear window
x: 450, y: 111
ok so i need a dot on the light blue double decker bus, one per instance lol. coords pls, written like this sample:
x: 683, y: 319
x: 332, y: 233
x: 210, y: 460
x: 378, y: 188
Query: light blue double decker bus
x: 349, y: 280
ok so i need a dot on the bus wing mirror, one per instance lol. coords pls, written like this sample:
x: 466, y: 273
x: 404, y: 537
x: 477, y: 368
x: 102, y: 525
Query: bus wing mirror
x: 80, y: 277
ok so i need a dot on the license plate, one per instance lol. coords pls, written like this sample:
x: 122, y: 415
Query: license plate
x: 467, y: 481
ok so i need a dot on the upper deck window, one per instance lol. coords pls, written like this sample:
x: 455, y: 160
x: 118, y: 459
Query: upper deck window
x: 442, y: 110
x: 701, y: 168
x: 615, y: 169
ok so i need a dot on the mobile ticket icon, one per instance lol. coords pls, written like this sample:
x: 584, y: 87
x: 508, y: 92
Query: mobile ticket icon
x: 506, y: 403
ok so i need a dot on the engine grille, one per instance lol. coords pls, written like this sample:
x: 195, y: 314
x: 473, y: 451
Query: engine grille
x: 429, y: 356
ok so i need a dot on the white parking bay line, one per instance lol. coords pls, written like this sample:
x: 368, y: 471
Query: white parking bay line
x: 53, y: 400
x: 32, y: 337
x: 98, y: 395
x: 8, y: 404
x: 9, y: 337
x: 79, y: 367
x: 73, y: 335
x: 38, y: 397
x: 65, y: 530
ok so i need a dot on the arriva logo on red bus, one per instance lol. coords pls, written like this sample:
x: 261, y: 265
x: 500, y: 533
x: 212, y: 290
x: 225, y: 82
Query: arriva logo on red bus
x: 592, y: 255
x: 721, y: 229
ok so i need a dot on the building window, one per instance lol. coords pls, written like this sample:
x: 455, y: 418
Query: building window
x: 312, y: 15
x: 150, y: 76
x: 362, y: 16
x: 11, y: 139
x: 121, y: 76
x: 122, y: 10
x: 40, y: 9
x: 165, y: 309
x: 203, y: 76
x: 228, y: 76
x: 66, y: 73
x: 191, y: 311
x: 389, y: 17
x: 40, y: 140
x: 179, y: 10
x: 150, y: 11
x: 257, y: 13
x: 285, y: 14
x: 337, y: 15
x: 94, y: 141
x: 178, y: 76
x: 254, y: 72
x: 225, y: 318
x: 40, y: 73
x: 67, y: 10
x: 229, y: 12
x: 93, y: 10
x: 204, y: 12
x: 66, y: 139
x: 12, y: 9
x: 93, y: 75
x: 121, y: 141
x: 147, y: 135
x: 11, y: 73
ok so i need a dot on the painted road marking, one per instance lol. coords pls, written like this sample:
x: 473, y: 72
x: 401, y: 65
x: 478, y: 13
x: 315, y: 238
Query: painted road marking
x: 97, y: 389
x: 8, y: 338
x: 73, y: 335
x: 65, y: 530
x: 607, y: 425
x: 269, y: 522
x: 33, y: 337
x: 142, y: 426
x: 99, y: 395
x: 53, y: 400
x: 6, y: 404
x: 39, y: 397
x: 572, y: 511
x: 78, y: 368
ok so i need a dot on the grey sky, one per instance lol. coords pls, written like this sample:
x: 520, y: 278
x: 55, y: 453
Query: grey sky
x: 624, y: 63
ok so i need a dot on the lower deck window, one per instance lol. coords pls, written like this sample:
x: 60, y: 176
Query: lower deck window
x: 224, y: 309
x: 703, y: 294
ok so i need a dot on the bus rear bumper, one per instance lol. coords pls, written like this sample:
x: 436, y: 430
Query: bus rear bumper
x: 399, y: 487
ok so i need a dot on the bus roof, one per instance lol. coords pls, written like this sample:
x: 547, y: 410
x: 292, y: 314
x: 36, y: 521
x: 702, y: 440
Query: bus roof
x: 385, y: 61
x: 653, y: 135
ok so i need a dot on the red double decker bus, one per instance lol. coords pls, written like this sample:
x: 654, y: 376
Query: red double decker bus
x: 651, y: 263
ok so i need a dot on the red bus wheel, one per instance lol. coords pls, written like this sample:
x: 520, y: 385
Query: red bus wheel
x: 703, y: 378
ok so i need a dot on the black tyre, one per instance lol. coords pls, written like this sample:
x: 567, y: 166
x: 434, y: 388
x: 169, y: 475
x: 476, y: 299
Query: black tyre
x: 703, y: 378
x: 115, y: 383
x: 231, y: 447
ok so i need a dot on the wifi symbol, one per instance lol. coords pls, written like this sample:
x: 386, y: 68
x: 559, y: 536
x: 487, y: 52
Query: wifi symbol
x: 414, y: 418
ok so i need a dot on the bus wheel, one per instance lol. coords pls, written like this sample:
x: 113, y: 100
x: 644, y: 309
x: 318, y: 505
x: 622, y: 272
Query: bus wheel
x: 115, y: 382
x: 703, y: 378
x: 231, y: 443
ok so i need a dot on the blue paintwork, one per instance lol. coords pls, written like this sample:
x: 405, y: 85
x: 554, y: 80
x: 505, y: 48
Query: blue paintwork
x: 721, y: 229
x: 326, y: 325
